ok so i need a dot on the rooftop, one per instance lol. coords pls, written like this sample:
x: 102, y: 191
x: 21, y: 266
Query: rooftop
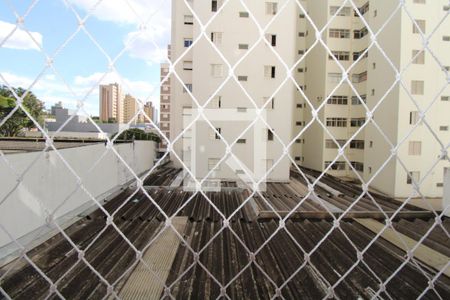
x: 253, y: 257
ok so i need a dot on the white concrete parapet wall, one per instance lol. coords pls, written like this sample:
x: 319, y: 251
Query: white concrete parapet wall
x: 49, y: 186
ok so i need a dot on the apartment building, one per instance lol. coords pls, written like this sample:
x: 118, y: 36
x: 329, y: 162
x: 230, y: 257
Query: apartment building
x: 130, y: 108
x: 371, y: 68
x: 149, y: 111
x: 231, y: 102
x: 111, y: 103
x: 373, y: 77
x: 164, y: 108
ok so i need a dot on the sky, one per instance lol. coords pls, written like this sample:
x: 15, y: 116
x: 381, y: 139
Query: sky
x: 133, y: 33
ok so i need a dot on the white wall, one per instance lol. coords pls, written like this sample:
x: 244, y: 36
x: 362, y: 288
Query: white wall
x: 48, y: 185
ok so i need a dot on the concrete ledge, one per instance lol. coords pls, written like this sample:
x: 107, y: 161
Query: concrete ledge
x: 425, y: 254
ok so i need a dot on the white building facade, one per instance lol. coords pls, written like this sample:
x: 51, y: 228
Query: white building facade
x: 370, y: 148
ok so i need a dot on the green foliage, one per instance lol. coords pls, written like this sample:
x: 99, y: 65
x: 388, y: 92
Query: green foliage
x: 19, y: 120
x: 138, y: 135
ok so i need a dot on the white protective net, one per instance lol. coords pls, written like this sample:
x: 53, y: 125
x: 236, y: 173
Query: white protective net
x: 172, y: 233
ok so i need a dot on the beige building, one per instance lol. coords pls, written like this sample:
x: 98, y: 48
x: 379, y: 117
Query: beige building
x: 164, y: 108
x: 149, y: 113
x: 111, y: 103
x: 130, y: 108
x: 342, y: 108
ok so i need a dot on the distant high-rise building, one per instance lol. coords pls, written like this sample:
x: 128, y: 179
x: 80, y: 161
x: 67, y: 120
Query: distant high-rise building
x: 55, y: 108
x: 130, y: 108
x: 164, y: 111
x: 111, y: 103
x: 149, y: 111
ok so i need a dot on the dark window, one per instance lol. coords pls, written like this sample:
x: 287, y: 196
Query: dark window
x: 219, y: 130
x: 269, y: 135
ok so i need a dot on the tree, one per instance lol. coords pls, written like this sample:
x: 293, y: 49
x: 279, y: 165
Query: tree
x: 138, y: 135
x: 19, y: 120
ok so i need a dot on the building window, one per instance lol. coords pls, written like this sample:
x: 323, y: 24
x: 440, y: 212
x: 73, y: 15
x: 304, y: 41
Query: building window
x: 243, y: 46
x: 269, y: 71
x: 446, y: 38
x: 414, y: 175
x: 371, y: 144
x: 188, y: 87
x: 188, y: 19
x: 297, y: 158
x: 357, y: 144
x: 216, y: 38
x: 337, y: 166
x: 361, y: 77
x: 339, y: 33
x: 271, y: 8
x: 242, y: 78
x: 413, y: 117
x: 187, y: 42
x: 300, y: 70
x: 415, y: 148
x: 334, y: 77
x: 217, y: 70
x: 357, y: 166
x: 270, y: 105
x: 301, y: 16
x: 187, y: 65
x: 341, y: 100
x: 359, y: 34
x: 445, y: 98
x: 269, y: 135
x: 330, y: 144
x: 419, y: 27
x: 241, y: 141
x: 214, y: 5
x: 216, y: 134
x: 336, y: 122
x: 446, y: 7
x: 418, y: 57
x: 243, y: 14
x: 356, y: 55
x: 219, y: 101
x: 357, y: 122
x: 417, y: 87
x: 340, y: 55
x: 344, y: 12
x: 419, y: 1
x: 443, y: 128
x: 356, y: 101
x: 272, y: 39
x: 212, y: 162
x: 363, y: 9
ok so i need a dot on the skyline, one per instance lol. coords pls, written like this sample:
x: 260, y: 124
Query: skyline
x: 137, y: 69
